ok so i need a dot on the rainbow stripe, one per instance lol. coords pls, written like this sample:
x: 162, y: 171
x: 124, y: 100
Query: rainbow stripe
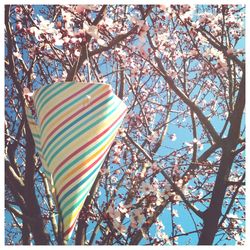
x: 77, y: 123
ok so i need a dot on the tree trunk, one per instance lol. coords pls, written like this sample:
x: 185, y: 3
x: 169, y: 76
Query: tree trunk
x: 213, y: 213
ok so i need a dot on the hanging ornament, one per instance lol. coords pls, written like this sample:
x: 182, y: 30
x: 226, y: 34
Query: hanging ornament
x: 76, y: 125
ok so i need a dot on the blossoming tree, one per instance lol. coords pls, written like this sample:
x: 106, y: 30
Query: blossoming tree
x: 176, y: 173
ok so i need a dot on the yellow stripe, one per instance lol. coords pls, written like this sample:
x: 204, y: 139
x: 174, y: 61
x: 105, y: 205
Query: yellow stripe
x: 74, y: 171
x: 79, y: 141
x: 32, y: 123
x: 96, y: 112
x: 73, y: 131
x: 69, y: 219
x: 68, y: 113
x: 89, y: 160
x: 58, y: 98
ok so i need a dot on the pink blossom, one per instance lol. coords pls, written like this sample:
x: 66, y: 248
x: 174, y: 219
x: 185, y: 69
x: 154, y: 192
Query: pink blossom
x: 179, y: 183
x: 230, y: 51
x: 66, y: 39
x: 128, y: 171
x: 152, y: 137
x: 19, y: 25
x: 179, y: 228
x: 122, y: 208
x: 137, y: 217
x: 175, y: 213
x: 122, y: 132
x: 143, y: 32
x: 17, y: 55
x: 73, y: 40
x: 173, y: 74
x: 195, y: 140
x: 45, y: 27
x: 113, y: 179
x: 198, y: 143
x: 19, y: 10
x: 150, y: 210
x: 116, y: 160
x: 137, y: 21
x: 159, y: 198
x: 77, y: 52
x: 155, y: 167
x: 189, y: 147
x: 187, y: 11
x: 146, y: 188
x: 163, y: 236
x: 173, y: 137
x: 113, y: 213
x: 120, y: 227
x: 107, y: 22
x: 82, y: 8
x: 58, y: 39
x: 67, y: 17
x: 26, y: 92
x: 143, y: 52
x: 93, y: 31
x: 117, y: 150
x: 101, y: 42
x: 193, y: 52
x: 222, y: 61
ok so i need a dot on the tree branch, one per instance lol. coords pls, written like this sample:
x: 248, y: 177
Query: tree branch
x: 188, y: 102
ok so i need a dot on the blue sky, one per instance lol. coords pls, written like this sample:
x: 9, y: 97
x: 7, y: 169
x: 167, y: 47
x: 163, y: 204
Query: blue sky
x: 182, y: 136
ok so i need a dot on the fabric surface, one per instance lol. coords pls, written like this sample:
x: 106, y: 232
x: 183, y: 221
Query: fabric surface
x: 77, y: 123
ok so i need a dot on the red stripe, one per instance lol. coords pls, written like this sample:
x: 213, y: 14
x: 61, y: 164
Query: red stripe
x: 70, y: 228
x: 73, y: 115
x: 64, y: 101
x: 86, y: 145
x: 81, y: 173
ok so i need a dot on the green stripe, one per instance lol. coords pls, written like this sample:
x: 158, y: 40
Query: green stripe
x: 50, y: 96
x: 42, y: 92
x: 37, y: 136
x: 80, y: 133
x: 38, y: 149
x: 71, y: 193
x: 30, y: 117
x: 39, y: 94
x: 37, y: 142
x: 72, y: 163
x: 64, y: 107
x: 69, y: 126
x: 81, y: 195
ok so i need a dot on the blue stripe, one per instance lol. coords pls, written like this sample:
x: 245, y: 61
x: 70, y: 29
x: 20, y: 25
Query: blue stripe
x: 78, y: 185
x: 42, y: 92
x: 72, y: 163
x: 69, y: 126
x: 80, y: 133
x: 49, y: 97
x: 64, y: 107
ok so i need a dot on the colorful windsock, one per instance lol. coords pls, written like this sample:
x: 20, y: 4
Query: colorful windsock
x: 76, y: 125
